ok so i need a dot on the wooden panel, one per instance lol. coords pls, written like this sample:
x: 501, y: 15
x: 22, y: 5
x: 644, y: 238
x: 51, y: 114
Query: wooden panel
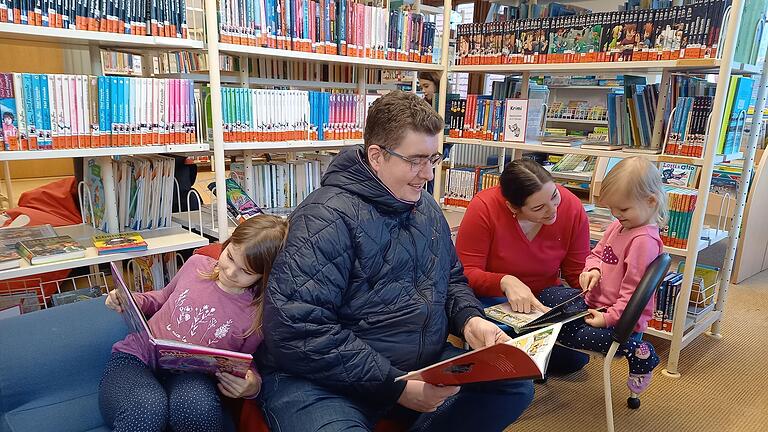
x: 32, y: 57
x: 41, y: 168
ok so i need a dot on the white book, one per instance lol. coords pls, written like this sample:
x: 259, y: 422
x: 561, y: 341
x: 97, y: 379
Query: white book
x: 83, y: 114
x: 21, y: 116
x: 54, y: 107
x: 67, y: 107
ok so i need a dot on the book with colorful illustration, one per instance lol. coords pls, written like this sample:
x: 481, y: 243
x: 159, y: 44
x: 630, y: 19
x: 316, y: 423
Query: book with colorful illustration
x: 522, y: 322
x: 49, y: 250
x: 525, y: 357
x: 123, y: 242
x: 176, y: 355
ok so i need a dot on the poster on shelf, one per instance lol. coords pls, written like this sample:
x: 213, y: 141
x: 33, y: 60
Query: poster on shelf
x: 516, y: 120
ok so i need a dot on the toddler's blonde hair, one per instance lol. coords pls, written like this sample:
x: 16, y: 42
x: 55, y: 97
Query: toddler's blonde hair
x: 636, y: 177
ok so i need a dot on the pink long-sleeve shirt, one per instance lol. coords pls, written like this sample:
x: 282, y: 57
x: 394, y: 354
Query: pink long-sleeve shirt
x: 622, y: 256
x: 195, y: 310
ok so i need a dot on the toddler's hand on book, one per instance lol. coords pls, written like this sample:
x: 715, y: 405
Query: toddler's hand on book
x: 113, y: 301
x: 595, y: 319
x: 236, y: 387
x: 423, y: 397
x: 589, y: 279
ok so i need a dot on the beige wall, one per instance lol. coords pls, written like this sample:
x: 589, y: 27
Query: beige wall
x: 34, y: 57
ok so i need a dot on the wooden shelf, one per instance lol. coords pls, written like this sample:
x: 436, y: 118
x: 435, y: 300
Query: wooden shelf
x: 291, y: 145
x: 158, y: 241
x: 101, y: 151
x: 326, y: 58
x: 631, y: 66
x: 84, y: 37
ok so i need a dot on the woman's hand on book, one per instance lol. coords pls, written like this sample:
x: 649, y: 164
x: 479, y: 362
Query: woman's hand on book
x: 519, y: 295
x: 236, y: 387
x: 113, y: 301
x: 595, y: 319
x: 424, y: 397
x: 589, y: 279
x: 479, y: 333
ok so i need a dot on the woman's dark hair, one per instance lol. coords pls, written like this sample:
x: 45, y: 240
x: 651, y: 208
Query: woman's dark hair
x: 522, y: 178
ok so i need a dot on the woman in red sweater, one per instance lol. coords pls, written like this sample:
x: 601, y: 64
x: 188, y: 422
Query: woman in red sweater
x: 520, y: 237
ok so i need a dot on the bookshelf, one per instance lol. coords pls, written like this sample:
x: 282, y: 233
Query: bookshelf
x: 684, y: 330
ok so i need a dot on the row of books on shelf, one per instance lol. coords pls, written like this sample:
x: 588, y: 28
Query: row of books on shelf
x: 135, y: 17
x: 701, y: 301
x: 282, y: 184
x: 51, y: 111
x: 144, y: 186
x: 576, y: 110
x: 631, y: 113
x: 42, y: 245
x: 691, y: 31
x: 185, y: 62
x: 463, y: 183
x: 573, y: 164
x: 257, y: 115
x: 588, y: 80
x: 121, y: 63
x: 340, y: 27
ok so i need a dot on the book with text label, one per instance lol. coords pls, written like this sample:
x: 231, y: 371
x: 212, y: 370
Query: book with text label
x: 177, y: 355
x: 525, y: 357
x: 523, y: 322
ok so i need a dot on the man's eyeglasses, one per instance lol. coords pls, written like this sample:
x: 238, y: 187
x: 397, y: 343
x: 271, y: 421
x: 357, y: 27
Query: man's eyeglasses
x: 418, y: 163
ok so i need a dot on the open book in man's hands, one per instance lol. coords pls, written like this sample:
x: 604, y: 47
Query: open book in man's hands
x: 525, y: 357
x: 176, y: 355
x: 523, y: 322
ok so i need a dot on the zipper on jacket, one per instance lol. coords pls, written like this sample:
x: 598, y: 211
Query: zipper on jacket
x: 426, y: 302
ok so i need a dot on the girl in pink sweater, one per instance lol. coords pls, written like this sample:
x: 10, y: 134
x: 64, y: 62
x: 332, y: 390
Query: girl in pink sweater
x: 633, y: 192
x: 215, y: 303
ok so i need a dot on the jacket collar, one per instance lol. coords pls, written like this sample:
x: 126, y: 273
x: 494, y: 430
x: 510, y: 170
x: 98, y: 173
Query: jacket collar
x: 350, y: 171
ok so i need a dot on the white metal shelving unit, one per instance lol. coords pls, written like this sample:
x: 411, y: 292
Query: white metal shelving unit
x: 684, y: 331
x: 158, y: 241
x: 248, y: 149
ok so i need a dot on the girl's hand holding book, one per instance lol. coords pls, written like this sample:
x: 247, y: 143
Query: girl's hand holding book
x: 236, y: 387
x: 595, y: 318
x: 113, y: 301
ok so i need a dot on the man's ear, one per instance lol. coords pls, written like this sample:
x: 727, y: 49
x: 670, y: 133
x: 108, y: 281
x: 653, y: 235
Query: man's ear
x: 375, y: 157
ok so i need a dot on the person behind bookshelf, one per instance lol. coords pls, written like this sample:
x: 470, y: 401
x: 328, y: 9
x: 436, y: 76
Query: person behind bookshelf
x: 633, y: 192
x: 368, y: 287
x: 520, y: 237
x: 430, y: 85
x: 214, y: 303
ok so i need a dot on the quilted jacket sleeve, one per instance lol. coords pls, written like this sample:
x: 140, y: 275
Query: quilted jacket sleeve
x: 461, y: 304
x: 301, y: 327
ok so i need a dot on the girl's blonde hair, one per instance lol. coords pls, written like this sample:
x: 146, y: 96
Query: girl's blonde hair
x: 636, y: 177
x: 260, y: 239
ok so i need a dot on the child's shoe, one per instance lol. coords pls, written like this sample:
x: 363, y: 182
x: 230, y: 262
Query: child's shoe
x: 637, y: 383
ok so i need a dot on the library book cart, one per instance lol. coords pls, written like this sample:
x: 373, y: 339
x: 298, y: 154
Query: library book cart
x: 683, y: 330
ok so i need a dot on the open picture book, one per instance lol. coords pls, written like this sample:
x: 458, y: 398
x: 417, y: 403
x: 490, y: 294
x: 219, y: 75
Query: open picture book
x: 523, y: 322
x: 176, y: 355
x: 525, y: 357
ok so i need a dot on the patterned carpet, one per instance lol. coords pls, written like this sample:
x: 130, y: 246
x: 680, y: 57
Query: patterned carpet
x: 723, y: 387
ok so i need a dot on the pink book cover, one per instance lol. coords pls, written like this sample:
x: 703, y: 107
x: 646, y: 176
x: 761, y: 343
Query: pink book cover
x: 176, y: 355
x: 173, y: 109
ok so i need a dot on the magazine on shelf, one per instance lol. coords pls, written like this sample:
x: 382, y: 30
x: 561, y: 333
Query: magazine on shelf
x: 522, y: 322
x: 176, y: 355
x: 525, y: 357
x: 122, y: 242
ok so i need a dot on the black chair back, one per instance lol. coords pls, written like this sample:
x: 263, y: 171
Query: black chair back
x: 642, y: 295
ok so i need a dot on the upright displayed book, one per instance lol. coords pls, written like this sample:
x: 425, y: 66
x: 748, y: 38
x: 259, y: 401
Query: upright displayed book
x: 525, y: 357
x: 176, y: 355
x: 49, y: 250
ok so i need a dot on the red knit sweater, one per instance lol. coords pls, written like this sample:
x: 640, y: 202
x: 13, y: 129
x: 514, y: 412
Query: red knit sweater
x: 491, y: 244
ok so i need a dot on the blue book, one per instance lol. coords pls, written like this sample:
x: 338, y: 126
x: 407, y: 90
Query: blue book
x: 741, y: 100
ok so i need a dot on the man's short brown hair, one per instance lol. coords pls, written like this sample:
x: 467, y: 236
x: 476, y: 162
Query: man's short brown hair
x: 394, y: 114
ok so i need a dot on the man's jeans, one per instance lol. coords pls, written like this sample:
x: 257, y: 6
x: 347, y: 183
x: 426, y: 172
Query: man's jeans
x: 293, y: 404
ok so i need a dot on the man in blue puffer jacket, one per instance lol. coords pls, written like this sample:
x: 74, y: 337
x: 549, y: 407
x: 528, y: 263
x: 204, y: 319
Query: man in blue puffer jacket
x: 367, y: 287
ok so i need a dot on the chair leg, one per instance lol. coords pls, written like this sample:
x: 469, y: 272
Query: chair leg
x: 607, y: 385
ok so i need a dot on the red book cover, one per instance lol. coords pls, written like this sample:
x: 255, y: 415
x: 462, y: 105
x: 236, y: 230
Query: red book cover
x: 525, y: 357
